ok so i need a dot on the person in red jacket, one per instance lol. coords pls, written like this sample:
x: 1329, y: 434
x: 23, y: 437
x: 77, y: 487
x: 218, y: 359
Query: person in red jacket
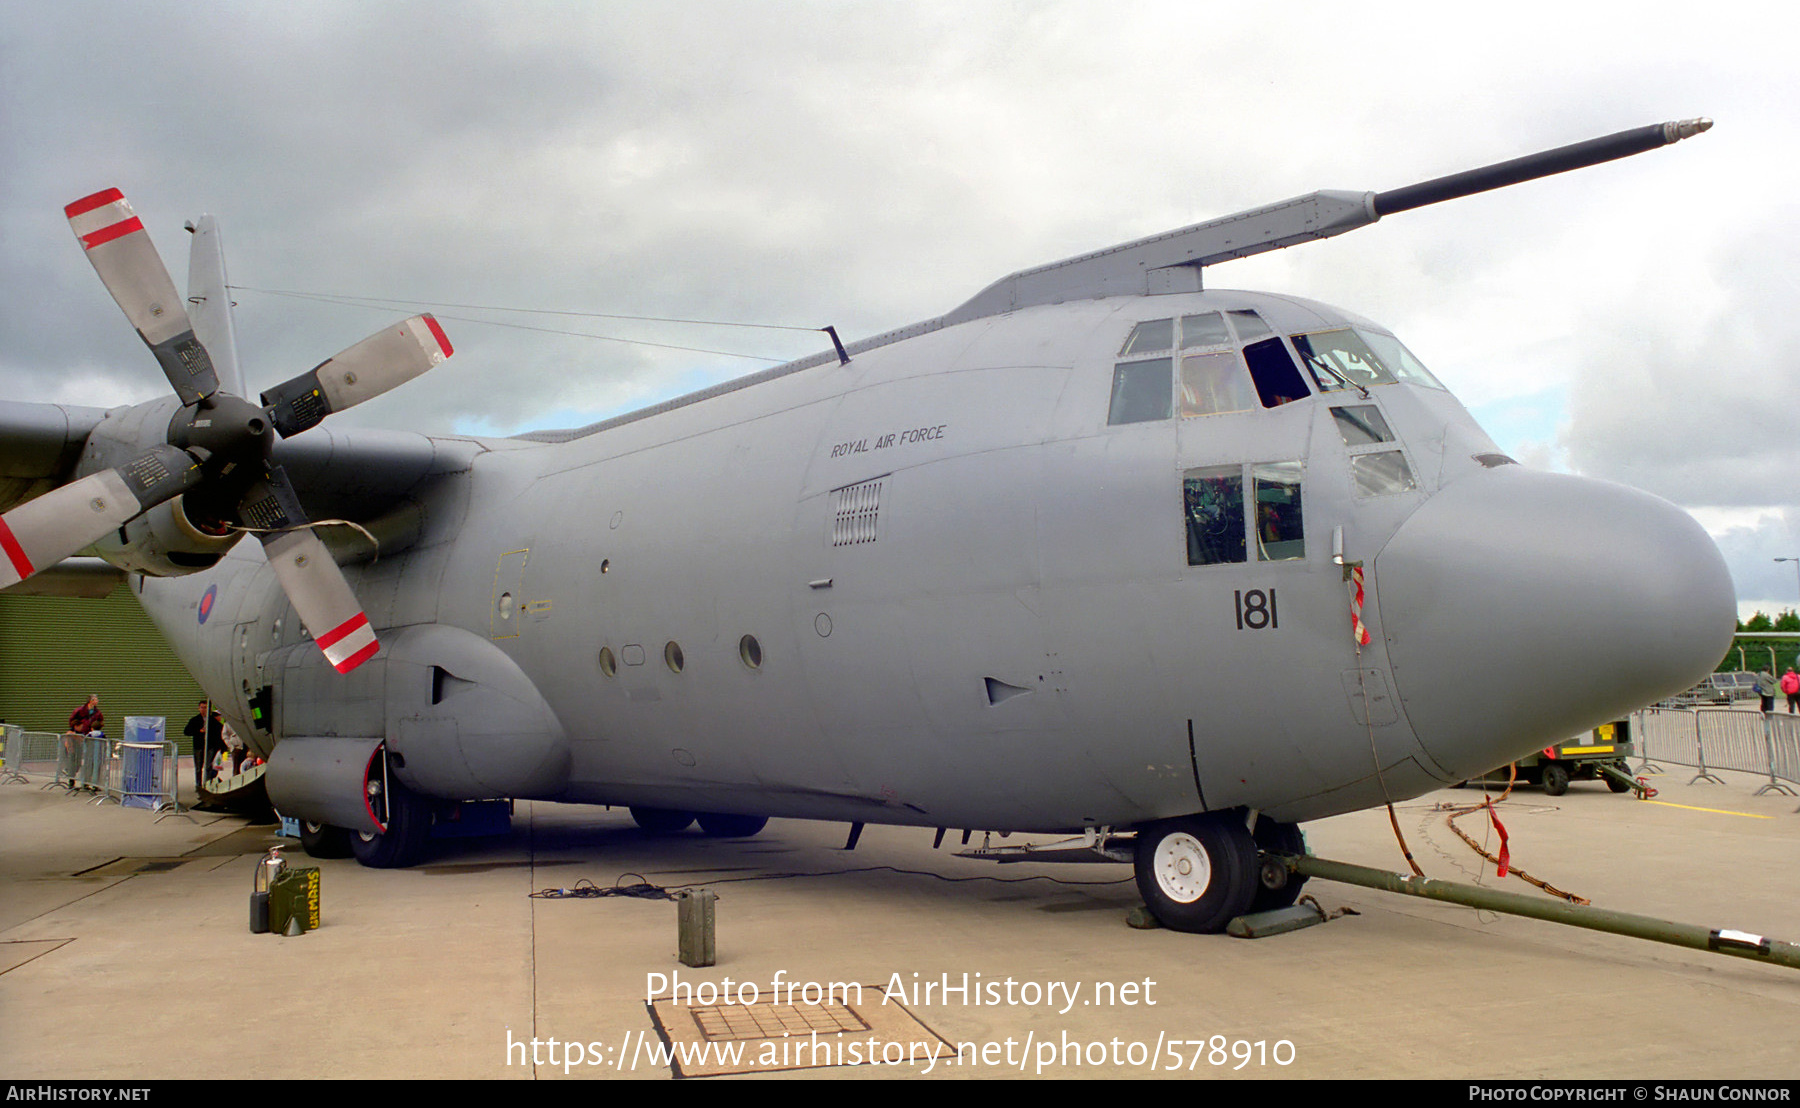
x: 83, y: 721
x: 1790, y: 684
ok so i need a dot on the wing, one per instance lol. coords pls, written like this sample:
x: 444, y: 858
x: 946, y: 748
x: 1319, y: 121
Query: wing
x: 39, y: 446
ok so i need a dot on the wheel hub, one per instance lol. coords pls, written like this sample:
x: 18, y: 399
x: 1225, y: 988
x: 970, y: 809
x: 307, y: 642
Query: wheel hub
x: 1183, y: 870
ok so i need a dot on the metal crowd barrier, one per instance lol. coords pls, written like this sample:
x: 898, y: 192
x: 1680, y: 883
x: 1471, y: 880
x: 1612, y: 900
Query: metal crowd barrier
x: 36, y: 755
x: 1763, y: 743
x: 131, y: 774
x: 1784, y: 746
x: 12, y: 752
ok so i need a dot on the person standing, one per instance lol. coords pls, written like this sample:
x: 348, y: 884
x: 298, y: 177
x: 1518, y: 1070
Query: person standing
x: 1765, y: 688
x: 83, y: 721
x: 204, y: 730
x: 1790, y: 684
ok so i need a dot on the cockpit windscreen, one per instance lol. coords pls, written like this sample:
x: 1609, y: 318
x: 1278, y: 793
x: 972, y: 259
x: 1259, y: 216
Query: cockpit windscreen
x: 1353, y: 358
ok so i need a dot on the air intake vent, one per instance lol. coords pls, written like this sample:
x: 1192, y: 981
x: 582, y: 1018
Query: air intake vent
x: 857, y: 508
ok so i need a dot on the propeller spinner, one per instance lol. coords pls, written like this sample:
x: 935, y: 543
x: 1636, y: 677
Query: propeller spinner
x: 218, y: 447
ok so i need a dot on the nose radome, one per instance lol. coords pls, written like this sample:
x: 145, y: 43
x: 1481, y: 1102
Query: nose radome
x: 1522, y: 608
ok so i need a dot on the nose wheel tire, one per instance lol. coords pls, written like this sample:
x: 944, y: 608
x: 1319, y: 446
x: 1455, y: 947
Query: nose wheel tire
x: 1197, y: 872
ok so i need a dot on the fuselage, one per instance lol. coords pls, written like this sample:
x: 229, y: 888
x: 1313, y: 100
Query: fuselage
x: 1081, y: 564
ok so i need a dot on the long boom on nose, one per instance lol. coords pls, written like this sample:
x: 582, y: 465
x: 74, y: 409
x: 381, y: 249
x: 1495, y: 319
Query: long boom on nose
x: 1579, y: 155
x: 1171, y: 261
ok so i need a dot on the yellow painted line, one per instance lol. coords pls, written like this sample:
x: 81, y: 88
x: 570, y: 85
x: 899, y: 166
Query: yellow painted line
x: 1717, y: 811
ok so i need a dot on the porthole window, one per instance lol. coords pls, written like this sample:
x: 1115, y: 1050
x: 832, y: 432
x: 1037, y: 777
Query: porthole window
x: 750, y: 651
x: 608, y: 664
x: 672, y: 655
x: 605, y: 564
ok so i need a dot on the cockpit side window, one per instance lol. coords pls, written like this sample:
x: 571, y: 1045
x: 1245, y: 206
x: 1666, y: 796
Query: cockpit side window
x: 1141, y: 391
x: 1279, y: 530
x: 1215, y: 383
x: 1278, y: 380
x: 1212, y: 379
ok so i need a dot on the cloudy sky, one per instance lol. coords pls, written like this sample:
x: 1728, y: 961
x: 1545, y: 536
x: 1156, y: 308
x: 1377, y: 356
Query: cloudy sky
x: 870, y: 164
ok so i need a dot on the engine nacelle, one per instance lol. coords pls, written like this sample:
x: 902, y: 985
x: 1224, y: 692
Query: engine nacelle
x: 162, y: 542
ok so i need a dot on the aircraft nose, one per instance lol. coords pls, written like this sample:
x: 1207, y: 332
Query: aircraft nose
x: 1522, y: 608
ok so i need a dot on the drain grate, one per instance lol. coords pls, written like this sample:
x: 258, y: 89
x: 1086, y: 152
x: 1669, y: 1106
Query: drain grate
x: 728, y: 1022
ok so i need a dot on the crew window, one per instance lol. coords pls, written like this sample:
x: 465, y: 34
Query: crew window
x: 1248, y: 325
x: 1150, y: 335
x: 1213, y: 507
x: 1214, y: 383
x: 1341, y: 360
x: 1381, y: 472
x: 1279, y: 529
x: 1362, y: 425
x: 1278, y: 380
x: 1204, y: 331
x: 1141, y: 390
x: 1399, y: 360
x: 1213, y: 373
x: 1348, y: 358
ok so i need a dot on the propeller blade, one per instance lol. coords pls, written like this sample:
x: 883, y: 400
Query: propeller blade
x: 384, y: 360
x: 313, y: 583
x: 129, y: 266
x: 42, y: 532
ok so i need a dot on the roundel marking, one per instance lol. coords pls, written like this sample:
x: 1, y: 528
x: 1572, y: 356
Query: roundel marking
x: 206, y: 602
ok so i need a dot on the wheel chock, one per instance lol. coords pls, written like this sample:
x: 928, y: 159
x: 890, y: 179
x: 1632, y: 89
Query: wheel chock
x: 1277, y: 921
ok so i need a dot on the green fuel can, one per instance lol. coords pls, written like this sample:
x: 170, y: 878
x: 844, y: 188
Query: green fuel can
x: 294, y: 895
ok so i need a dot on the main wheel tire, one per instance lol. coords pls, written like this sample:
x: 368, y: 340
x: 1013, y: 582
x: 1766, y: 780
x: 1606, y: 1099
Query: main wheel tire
x: 1556, y: 779
x: 1197, y: 872
x: 321, y: 840
x: 731, y: 827
x: 662, y: 821
x: 408, y: 830
x: 1275, y: 886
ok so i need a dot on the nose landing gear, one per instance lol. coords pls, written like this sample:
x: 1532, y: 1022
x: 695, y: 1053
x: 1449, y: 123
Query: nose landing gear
x: 1196, y: 872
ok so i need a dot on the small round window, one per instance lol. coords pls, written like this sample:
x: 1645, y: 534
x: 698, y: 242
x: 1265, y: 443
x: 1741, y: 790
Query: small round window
x: 672, y: 655
x: 608, y: 664
x: 750, y: 651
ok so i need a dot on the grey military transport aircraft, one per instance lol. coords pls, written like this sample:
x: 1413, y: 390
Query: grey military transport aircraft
x: 1103, y: 552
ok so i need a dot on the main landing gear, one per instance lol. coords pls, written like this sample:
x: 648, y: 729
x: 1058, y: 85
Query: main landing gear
x: 1196, y: 873
x: 408, y: 830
